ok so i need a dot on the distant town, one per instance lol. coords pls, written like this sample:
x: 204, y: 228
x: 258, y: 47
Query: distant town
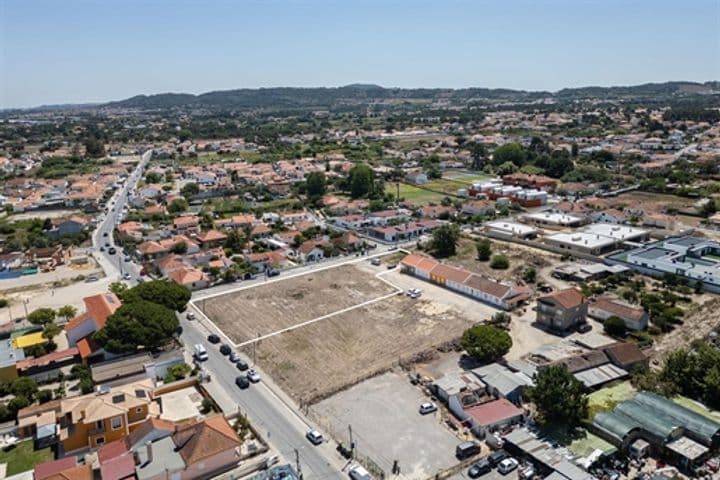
x: 363, y: 283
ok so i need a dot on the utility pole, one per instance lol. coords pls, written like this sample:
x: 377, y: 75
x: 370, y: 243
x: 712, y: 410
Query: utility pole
x: 352, y: 442
x: 25, y: 302
x: 297, y: 464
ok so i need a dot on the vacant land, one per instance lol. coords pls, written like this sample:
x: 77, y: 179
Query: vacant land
x: 23, y: 457
x: 519, y: 256
x: 264, y: 309
x: 413, y: 194
x: 698, y: 322
x: 420, y: 444
x: 316, y: 360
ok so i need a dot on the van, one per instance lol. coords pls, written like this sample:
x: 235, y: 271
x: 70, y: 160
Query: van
x: 359, y: 473
x: 200, y: 353
x: 467, y: 450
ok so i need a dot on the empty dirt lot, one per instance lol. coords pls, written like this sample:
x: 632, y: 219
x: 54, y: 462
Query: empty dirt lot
x: 245, y: 314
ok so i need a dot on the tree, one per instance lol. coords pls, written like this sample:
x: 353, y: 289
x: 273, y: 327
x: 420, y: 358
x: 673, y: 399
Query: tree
x: 41, y: 316
x: 512, y: 152
x: 184, y: 135
x: 484, y: 249
x: 137, y: 323
x: 67, y: 312
x: 179, y: 248
x: 615, y: 326
x: 44, y: 396
x: 499, y: 262
x: 529, y: 275
x: 24, y: 387
x: 478, y: 154
x: 94, y: 147
x: 189, y: 190
x: 234, y: 241
x: 361, y: 181
x: 486, y: 343
x: 51, y: 331
x: 558, y: 396
x: 708, y: 208
x: 315, y: 185
x: 153, y: 177
x: 163, y: 292
x: 178, y: 205
x: 445, y: 239
x: 118, y: 288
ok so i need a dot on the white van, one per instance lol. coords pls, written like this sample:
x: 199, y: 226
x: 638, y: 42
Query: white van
x: 200, y: 353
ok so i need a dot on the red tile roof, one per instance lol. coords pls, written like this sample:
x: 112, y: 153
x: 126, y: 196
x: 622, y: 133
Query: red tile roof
x: 98, y: 308
x: 494, y: 412
x: 568, y: 298
x: 47, y: 359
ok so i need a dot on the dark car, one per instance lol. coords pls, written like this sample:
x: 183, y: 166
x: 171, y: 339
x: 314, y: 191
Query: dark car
x: 242, y: 366
x: 242, y: 382
x: 102, y: 249
x: 212, y: 338
x: 105, y: 234
x: 273, y: 273
x: 225, y: 349
x: 584, y: 327
x: 467, y: 450
x: 497, y: 457
x: 112, y: 251
x: 480, y: 468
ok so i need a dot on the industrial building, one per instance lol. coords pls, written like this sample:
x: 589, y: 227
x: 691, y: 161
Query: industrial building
x: 553, y: 220
x: 504, y: 230
x: 597, y: 238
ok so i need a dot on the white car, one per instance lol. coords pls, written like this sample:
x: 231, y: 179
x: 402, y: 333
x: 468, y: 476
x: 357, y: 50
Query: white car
x: 427, y: 407
x: 507, y: 465
x: 253, y: 376
x: 190, y: 316
x: 315, y: 437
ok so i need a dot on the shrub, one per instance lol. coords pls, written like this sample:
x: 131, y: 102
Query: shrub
x: 499, y: 262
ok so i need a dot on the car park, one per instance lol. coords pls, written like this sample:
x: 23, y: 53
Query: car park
x: 212, y: 338
x: 225, y: 349
x: 427, y: 407
x: 507, y: 465
x: 480, y: 468
x: 241, y: 365
x: 242, y: 382
x: 314, y: 436
x: 253, y: 376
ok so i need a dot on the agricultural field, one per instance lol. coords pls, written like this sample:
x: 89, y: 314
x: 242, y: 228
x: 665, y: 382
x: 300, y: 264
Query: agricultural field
x: 435, y: 190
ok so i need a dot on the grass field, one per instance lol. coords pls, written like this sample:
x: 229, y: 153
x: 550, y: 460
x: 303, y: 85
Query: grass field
x: 22, y: 457
x: 435, y: 190
x: 606, y: 398
x: 697, y: 408
x: 414, y: 194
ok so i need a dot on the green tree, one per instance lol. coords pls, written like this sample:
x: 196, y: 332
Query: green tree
x: 51, y: 331
x: 478, y: 153
x: 178, y: 205
x: 118, y: 288
x: 558, y: 396
x: 315, y: 185
x: 615, y: 326
x: 137, y: 323
x: 44, y: 396
x: 499, y: 262
x: 179, y: 248
x: 163, y: 292
x: 486, y: 343
x: 184, y: 135
x: 484, y: 249
x: 445, y: 239
x: 235, y: 241
x: 189, y: 190
x: 41, y: 316
x: 529, y: 275
x: 94, y: 147
x: 153, y: 177
x: 361, y: 181
x: 512, y: 152
x: 67, y: 312
x: 25, y: 387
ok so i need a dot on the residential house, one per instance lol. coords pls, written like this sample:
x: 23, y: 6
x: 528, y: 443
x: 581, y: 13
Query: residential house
x: 562, y: 310
x: 478, y: 207
x: 610, y: 215
x: 131, y: 231
x: 190, y: 277
x: 67, y: 468
x: 211, y: 239
x: 501, y: 382
x: 311, y: 250
x: 634, y: 316
x: 626, y: 355
x: 68, y: 227
x: 491, y: 416
x: 186, y: 225
x: 383, y: 217
x: 97, y: 310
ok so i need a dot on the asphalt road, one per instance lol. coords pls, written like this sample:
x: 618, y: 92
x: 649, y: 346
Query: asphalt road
x: 283, y: 427
x: 115, y: 265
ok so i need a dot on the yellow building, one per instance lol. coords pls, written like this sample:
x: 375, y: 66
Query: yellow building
x: 29, y: 340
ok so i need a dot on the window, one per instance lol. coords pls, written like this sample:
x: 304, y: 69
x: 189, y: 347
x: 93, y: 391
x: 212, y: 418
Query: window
x: 99, y: 425
x: 116, y: 422
x: 99, y: 441
x: 139, y: 410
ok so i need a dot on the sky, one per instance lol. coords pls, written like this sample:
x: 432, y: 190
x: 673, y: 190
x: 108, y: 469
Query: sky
x: 77, y: 51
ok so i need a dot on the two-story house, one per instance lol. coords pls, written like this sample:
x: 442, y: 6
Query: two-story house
x: 562, y: 310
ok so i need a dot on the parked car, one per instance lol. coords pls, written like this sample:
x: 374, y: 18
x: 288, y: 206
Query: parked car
x: 234, y: 357
x: 584, y: 327
x: 105, y: 234
x: 253, y: 376
x: 467, y: 450
x: 314, y: 436
x: 242, y: 382
x: 190, y: 316
x: 527, y: 473
x: 200, y: 353
x: 241, y: 365
x: 496, y: 457
x: 212, y: 338
x: 480, y: 468
x: 127, y: 259
x: 507, y: 465
x: 273, y: 273
x: 112, y: 251
x: 91, y: 278
x: 359, y: 473
x: 375, y: 261
x: 427, y: 407
x: 102, y: 249
x: 225, y: 349
x: 127, y: 276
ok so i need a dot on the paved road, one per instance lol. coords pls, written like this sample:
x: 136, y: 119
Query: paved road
x: 115, y: 265
x: 267, y: 410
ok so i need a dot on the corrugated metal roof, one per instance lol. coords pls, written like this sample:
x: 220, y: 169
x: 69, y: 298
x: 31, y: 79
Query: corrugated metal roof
x: 704, y: 427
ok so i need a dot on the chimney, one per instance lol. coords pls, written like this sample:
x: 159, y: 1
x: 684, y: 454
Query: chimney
x: 148, y: 445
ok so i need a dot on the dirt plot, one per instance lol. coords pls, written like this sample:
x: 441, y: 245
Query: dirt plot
x: 314, y: 361
x: 264, y: 309
x: 519, y: 256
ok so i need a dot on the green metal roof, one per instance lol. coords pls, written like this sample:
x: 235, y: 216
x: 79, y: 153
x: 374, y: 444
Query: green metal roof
x: 653, y: 422
x: 705, y: 428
